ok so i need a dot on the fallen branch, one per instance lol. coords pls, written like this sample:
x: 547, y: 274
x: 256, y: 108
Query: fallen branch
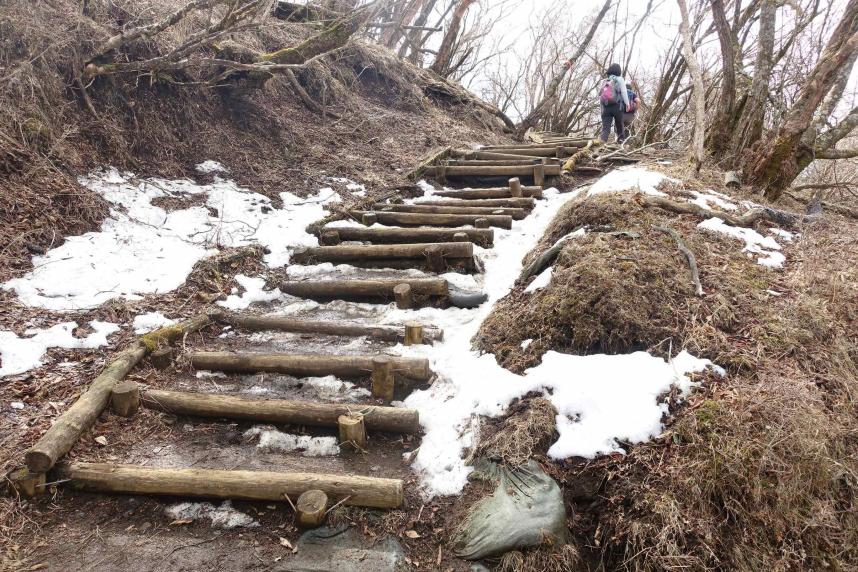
x: 689, y: 256
x: 748, y: 219
x: 305, y: 97
x: 543, y: 260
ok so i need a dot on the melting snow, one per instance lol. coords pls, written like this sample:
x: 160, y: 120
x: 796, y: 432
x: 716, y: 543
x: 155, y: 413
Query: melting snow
x: 144, y: 323
x: 274, y: 440
x: 709, y: 198
x: 143, y: 249
x: 541, y: 281
x: 630, y: 179
x: 18, y: 355
x: 253, y: 292
x: 211, y: 167
x: 223, y: 516
x: 755, y: 243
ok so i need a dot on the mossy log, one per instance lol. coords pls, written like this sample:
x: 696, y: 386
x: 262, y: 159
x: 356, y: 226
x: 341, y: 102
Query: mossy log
x: 304, y: 365
x: 241, y: 485
x: 67, y: 429
x: 376, y: 418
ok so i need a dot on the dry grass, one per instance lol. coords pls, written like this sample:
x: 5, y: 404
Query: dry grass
x: 527, y: 430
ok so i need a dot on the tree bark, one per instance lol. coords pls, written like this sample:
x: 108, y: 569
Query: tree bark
x: 441, y: 65
x: 550, y: 94
x: 483, y: 237
x: 720, y: 130
x: 697, y: 151
x: 773, y: 168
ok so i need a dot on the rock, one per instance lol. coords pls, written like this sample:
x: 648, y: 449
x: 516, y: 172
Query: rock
x: 343, y: 549
x: 525, y: 510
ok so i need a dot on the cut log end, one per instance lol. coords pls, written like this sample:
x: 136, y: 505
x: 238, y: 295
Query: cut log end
x: 39, y: 461
x: 352, y: 431
x: 310, y: 509
x: 25, y: 483
x: 481, y: 223
x: 125, y: 398
x: 435, y: 259
x: 515, y: 190
x: 369, y: 219
x: 161, y: 358
x: 329, y: 238
x: 382, y: 378
x: 413, y: 333
x: 404, y: 297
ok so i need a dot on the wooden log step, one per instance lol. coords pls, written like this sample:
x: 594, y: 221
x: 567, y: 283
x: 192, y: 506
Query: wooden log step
x: 515, y: 213
x: 349, y: 253
x: 240, y: 485
x: 374, y: 290
x: 501, y: 171
x: 491, y: 155
x: 306, y: 365
x: 483, y: 237
x: 489, y: 193
x: 494, y: 162
x: 517, y: 147
x: 512, y: 203
x: 429, y: 219
x: 281, y: 411
x: 286, y: 324
x: 548, y: 151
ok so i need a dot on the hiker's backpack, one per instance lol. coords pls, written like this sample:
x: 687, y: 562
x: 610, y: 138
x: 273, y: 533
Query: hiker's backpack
x: 609, y: 94
x: 633, y: 101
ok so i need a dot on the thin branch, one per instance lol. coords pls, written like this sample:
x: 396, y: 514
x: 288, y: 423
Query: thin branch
x: 689, y: 256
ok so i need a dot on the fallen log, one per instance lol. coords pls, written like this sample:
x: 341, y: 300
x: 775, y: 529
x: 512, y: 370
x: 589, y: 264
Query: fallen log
x: 515, y: 213
x: 428, y: 219
x: 513, y: 203
x: 363, y: 289
x: 67, y: 429
x: 348, y: 253
x: 484, y: 238
x: 217, y: 484
x: 489, y: 193
x: 306, y: 365
x: 502, y: 171
x: 775, y: 216
x: 286, y: 324
x: 287, y: 412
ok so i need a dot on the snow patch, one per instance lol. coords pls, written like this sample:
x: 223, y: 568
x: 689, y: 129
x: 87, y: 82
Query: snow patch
x: 144, y: 323
x: 223, y: 516
x: 526, y: 343
x: 211, y: 167
x: 755, y: 243
x: 18, y: 355
x: 274, y: 440
x: 541, y: 281
x: 253, y: 292
x: 630, y: 179
x: 705, y: 200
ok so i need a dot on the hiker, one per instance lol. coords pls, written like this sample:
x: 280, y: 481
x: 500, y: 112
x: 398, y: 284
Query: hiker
x: 615, y: 102
x: 629, y: 115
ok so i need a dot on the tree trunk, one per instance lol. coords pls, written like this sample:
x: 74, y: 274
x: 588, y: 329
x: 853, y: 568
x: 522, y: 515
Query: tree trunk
x: 441, y: 66
x: 719, y: 133
x: 774, y: 168
x: 551, y: 91
x: 697, y: 151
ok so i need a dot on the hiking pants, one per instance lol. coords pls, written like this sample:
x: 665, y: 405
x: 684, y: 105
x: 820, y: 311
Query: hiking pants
x: 628, y: 118
x: 613, y: 114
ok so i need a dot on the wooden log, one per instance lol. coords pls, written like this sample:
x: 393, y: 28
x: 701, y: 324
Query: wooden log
x: 501, y: 171
x: 281, y: 411
x: 383, y: 380
x: 329, y: 237
x: 491, y: 155
x: 488, y: 193
x: 310, y: 509
x: 403, y: 296
x: 492, y: 162
x: 352, y: 430
x: 305, y: 365
x: 125, y: 398
x: 347, y: 253
x: 440, y: 173
x: 242, y: 485
x: 429, y: 219
x: 512, y: 203
x: 435, y: 156
x: 67, y: 429
x: 413, y: 334
x: 24, y: 483
x: 515, y: 187
x: 286, y: 324
x: 363, y: 289
x: 484, y: 238
x: 550, y: 145
x: 515, y: 213
x: 435, y: 257
x: 539, y: 172
x: 460, y: 237
x: 481, y: 223
x: 161, y: 358
x: 368, y: 219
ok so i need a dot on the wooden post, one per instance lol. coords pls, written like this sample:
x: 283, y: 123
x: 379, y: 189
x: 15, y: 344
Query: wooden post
x: 161, y: 358
x: 481, y: 223
x: 435, y: 258
x: 369, y: 219
x: 310, y: 509
x: 352, y: 430
x: 413, y: 333
x: 125, y: 398
x: 558, y: 152
x: 441, y: 174
x: 515, y: 187
x: 382, y: 378
x: 539, y: 175
x: 25, y: 483
x: 460, y: 237
x: 329, y: 237
x: 269, y: 486
x: 404, y: 298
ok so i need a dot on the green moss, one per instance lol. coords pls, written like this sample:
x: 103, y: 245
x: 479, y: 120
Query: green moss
x: 163, y: 336
x: 708, y: 413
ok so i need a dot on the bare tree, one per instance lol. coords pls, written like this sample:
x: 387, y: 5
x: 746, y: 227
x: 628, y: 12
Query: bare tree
x: 441, y: 65
x: 720, y: 129
x: 697, y: 150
